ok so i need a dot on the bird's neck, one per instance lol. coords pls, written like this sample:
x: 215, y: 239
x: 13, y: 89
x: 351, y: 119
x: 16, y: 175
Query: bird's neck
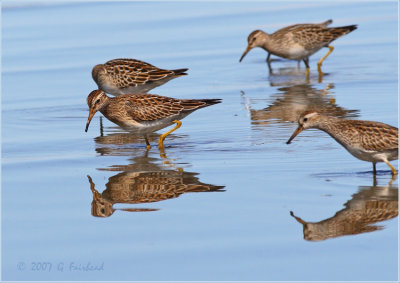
x: 333, y: 127
x: 266, y: 41
x: 105, y: 105
x: 326, y: 124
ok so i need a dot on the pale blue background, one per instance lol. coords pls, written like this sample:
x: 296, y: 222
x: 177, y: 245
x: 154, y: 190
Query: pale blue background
x: 244, y: 233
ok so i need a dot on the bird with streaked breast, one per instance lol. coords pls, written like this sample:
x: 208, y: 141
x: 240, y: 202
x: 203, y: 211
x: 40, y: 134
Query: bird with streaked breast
x: 144, y: 113
x: 131, y: 76
x: 297, y: 42
x: 366, y: 140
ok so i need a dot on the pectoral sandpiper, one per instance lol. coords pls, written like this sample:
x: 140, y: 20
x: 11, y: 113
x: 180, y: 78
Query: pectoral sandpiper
x: 144, y: 113
x: 130, y: 76
x: 297, y: 42
x: 367, y: 140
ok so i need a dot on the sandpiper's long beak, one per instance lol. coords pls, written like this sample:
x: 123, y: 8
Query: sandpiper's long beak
x: 96, y: 194
x: 91, y: 114
x: 297, y: 218
x: 245, y: 52
x: 296, y: 132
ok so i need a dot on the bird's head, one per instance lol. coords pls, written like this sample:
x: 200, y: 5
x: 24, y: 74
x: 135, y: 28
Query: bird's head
x: 255, y: 39
x: 308, y: 119
x: 95, y: 100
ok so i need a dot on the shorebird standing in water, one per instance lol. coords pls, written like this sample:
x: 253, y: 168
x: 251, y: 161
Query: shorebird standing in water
x: 297, y: 42
x: 367, y: 140
x: 144, y: 113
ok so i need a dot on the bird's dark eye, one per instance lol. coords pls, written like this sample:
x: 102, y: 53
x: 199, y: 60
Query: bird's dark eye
x: 97, y: 101
x: 254, y: 38
x: 305, y: 119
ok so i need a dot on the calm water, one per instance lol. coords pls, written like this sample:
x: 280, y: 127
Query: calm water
x: 217, y: 206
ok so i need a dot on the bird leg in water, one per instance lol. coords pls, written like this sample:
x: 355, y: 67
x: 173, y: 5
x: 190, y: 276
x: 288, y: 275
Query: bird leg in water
x: 305, y: 60
x: 322, y: 59
x: 163, y: 136
x: 269, y: 63
x: 394, y: 172
x: 101, y: 126
x: 148, y: 146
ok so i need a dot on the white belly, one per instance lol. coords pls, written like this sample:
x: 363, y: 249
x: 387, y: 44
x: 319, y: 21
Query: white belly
x: 113, y: 90
x: 139, y: 89
x: 298, y: 52
x: 373, y: 156
x: 147, y: 127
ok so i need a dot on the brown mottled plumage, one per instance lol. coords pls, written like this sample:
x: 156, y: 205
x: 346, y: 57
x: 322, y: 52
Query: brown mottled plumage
x: 130, y: 76
x: 144, y: 113
x: 145, y: 187
x: 367, y: 140
x: 297, y: 42
x: 293, y: 101
x: 369, y: 206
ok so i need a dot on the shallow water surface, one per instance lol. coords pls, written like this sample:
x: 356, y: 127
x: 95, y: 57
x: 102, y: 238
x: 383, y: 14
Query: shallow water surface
x: 228, y: 199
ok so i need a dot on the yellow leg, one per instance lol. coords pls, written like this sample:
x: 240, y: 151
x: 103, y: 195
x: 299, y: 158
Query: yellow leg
x: 163, y: 155
x: 320, y: 76
x: 163, y: 136
x: 148, y: 146
x: 307, y: 72
x: 322, y: 59
x: 394, y: 172
x: 307, y: 75
x: 391, y: 180
x: 167, y: 162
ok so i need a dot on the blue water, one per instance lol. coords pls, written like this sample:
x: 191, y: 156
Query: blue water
x: 242, y: 231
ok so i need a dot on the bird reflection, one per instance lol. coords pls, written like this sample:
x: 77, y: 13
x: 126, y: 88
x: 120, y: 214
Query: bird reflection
x: 145, y: 180
x: 290, y: 102
x: 372, y: 204
x: 119, y: 142
x: 145, y: 187
x: 288, y: 76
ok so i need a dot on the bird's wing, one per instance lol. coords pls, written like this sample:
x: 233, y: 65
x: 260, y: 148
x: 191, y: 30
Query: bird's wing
x: 313, y: 36
x: 151, y: 107
x: 131, y: 72
x: 378, y: 136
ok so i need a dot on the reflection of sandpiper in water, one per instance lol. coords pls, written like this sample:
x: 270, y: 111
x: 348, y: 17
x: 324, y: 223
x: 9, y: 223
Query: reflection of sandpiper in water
x: 120, y: 143
x: 292, y: 101
x: 124, y: 144
x: 372, y: 204
x: 145, y: 187
x: 146, y: 179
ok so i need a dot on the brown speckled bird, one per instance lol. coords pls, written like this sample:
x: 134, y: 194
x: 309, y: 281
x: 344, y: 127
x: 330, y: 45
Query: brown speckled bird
x: 297, y: 42
x: 144, y: 113
x: 360, y: 215
x: 367, y: 140
x: 130, y: 76
x: 145, y: 187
